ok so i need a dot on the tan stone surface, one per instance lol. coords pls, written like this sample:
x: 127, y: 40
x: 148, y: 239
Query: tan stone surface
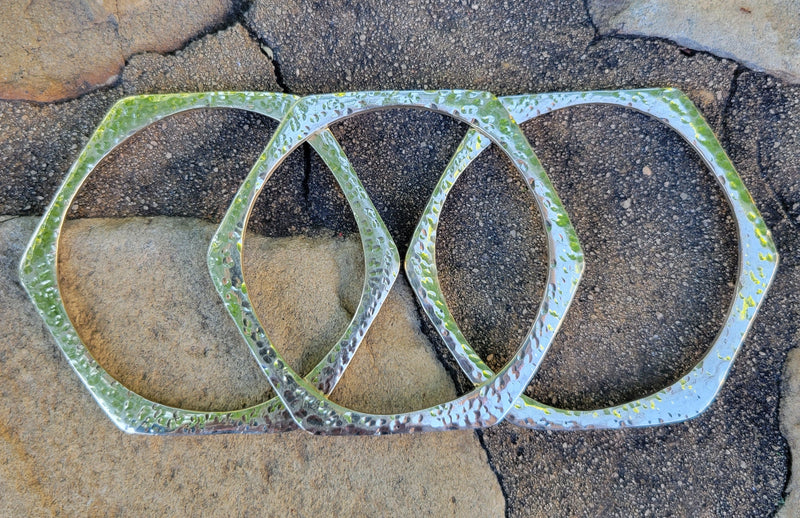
x: 60, y: 454
x: 57, y: 50
x: 764, y: 35
x: 790, y: 427
x: 132, y: 288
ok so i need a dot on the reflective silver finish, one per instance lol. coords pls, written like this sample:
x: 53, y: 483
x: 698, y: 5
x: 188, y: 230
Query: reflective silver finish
x: 693, y: 392
x: 488, y: 403
x: 497, y: 396
x: 128, y: 410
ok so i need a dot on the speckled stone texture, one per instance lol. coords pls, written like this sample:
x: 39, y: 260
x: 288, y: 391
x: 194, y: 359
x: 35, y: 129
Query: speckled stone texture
x: 660, y: 248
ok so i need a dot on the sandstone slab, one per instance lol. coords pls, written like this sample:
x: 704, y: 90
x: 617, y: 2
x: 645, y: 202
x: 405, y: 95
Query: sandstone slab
x: 790, y: 426
x: 59, y: 50
x: 60, y: 455
x: 762, y: 35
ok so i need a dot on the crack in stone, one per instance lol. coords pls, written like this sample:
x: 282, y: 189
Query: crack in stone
x: 482, y: 442
x: 787, y: 450
x: 780, y: 205
x: 225, y: 23
x: 597, y: 36
x: 266, y: 49
x: 726, y: 106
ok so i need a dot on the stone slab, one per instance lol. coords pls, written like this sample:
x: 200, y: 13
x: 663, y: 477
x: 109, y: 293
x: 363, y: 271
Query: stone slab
x: 763, y: 35
x: 60, y: 455
x: 58, y: 50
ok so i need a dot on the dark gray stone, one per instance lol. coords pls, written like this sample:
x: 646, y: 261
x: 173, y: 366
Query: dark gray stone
x: 332, y: 46
x: 660, y: 245
x: 508, y: 47
x: 763, y: 137
x: 38, y: 144
x: 660, y: 267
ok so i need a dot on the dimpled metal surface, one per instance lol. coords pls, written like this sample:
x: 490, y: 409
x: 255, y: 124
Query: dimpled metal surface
x: 488, y: 403
x: 497, y: 396
x: 693, y: 392
x: 128, y: 410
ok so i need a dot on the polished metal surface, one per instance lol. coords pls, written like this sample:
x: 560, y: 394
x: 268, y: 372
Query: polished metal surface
x: 128, y: 410
x: 693, y: 392
x: 489, y: 402
x: 301, y: 401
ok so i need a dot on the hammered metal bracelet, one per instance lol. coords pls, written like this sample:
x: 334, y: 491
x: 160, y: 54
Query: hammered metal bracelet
x: 497, y: 395
x: 128, y: 410
x: 694, y: 391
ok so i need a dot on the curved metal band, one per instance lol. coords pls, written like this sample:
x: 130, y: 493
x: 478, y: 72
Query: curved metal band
x: 693, y: 392
x: 127, y: 409
x: 497, y: 395
x: 487, y: 404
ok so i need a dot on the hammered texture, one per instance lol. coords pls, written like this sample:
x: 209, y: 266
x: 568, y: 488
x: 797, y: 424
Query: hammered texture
x: 301, y: 401
x: 488, y: 403
x: 128, y: 410
x: 693, y: 392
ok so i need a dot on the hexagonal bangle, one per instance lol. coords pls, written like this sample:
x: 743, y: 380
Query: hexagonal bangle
x: 127, y: 409
x: 693, y: 392
x: 487, y: 404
